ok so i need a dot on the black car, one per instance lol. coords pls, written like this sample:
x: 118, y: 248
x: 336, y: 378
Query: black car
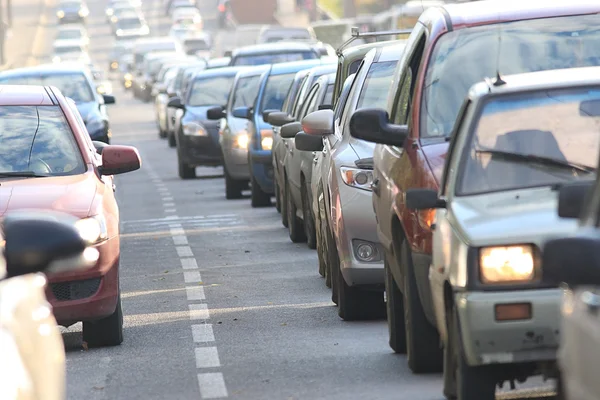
x: 196, y: 136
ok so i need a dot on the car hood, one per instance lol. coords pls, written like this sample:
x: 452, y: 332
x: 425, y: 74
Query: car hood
x: 362, y: 148
x: 70, y: 194
x: 435, y: 154
x: 516, y: 216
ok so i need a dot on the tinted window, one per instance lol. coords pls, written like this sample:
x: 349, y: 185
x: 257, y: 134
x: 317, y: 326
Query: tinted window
x: 71, y: 4
x: 67, y: 49
x: 524, y: 46
x: 38, y: 139
x: 210, y: 91
x: 129, y: 23
x: 374, y: 92
x: 562, y: 131
x: 328, y: 95
x: 74, y: 86
x: 246, y: 91
x: 69, y: 34
x: 261, y: 59
x: 354, y: 66
x: 276, y: 90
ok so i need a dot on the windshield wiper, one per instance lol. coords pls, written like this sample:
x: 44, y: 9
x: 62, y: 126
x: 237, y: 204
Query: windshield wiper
x: 537, y: 159
x: 22, y: 174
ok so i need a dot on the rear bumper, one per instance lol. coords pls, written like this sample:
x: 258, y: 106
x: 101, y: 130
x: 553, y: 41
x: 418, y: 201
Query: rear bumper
x: 199, y: 150
x: 262, y: 169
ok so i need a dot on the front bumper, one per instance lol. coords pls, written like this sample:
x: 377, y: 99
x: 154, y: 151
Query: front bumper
x: 356, y: 221
x: 487, y: 341
x: 236, y: 161
x: 262, y: 169
x: 199, y: 150
x: 89, y: 294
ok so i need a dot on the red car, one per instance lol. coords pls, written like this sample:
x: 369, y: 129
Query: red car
x: 48, y: 161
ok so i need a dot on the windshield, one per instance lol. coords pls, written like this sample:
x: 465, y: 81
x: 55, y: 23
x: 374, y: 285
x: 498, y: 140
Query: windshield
x: 69, y: 34
x: 212, y: 91
x: 74, y: 86
x: 276, y: 58
x: 129, y: 23
x: 196, y: 44
x: 276, y: 91
x: 562, y: 133
x: 246, y: 92
x: 140, y: 54
x: 124, y: 10
x: 69, y: 5
x: 67, y: 49
x: 377, y: 85
x: 525, y: 46
x: 38, y: 140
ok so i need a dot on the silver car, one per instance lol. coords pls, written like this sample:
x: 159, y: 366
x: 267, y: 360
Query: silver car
x: 353, y: 250
x: 161, y: 97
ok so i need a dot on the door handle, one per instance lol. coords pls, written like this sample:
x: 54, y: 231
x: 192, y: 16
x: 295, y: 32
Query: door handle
x: 591, y: 300
x: 375, y: 186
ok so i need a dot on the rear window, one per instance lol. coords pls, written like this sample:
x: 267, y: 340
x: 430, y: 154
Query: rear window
x: 38, y: 139
x: 75, y: 86
x: 276, y: 91
x: 212, y: 91
x: 275, y: 58
x: 67, y: 34
x: 375, y: 90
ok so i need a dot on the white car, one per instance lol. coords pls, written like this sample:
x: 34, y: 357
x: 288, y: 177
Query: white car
x: 188, y: 16
x: 69, y: 51
x: 74, y: 33
x: 180, y: 32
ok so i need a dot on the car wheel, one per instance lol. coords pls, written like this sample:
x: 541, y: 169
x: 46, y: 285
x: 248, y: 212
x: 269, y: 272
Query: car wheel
x: 333, y: 262
x: 282, y: 196
x: 320, y: 251
x: 161, y: 132
x: 395, y: 312
x: 171, y: 139
x: 233, y: 187
x: 295, y: 224
x: 106, y: 331
x: 258, y: 197
x: 422, y: 340
x: 309, y: 220
x: 277, y: 195
x: 471, y: 383
x: 185, y: 171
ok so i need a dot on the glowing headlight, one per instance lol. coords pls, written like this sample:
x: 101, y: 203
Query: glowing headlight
x: 144, y: 30
x: 358, y: 178
x: 241, y: 141
x: 266, y: 139
x: 83, y: 12
x: 507, y: 264
x: 114, y: 19
x: 194, y: 129
x: 60, y: 14
x: 119, y: 32
x: 93, y: 229
x: 114, y: 65
x: 110, y: 12
x: 56, y: 59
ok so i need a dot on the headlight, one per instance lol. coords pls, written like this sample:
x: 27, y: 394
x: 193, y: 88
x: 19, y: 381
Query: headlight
x: 109, y: 12
x: 56, y: 59
x: 93, y: 229
x: 114, y: 65
x: 114, y: 19
x: 241, y: 141
x: 119, y: 32
x: 358, y: 178
x: 144, y: 30
x: 507, y: 264
x: 266, y: 139
x: 60, y: 14
x: 128, y: 77
x: 83, y: 13
x: 194, y: 129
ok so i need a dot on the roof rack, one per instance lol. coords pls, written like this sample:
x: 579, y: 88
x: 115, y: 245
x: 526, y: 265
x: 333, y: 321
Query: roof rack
x: 356, y: 34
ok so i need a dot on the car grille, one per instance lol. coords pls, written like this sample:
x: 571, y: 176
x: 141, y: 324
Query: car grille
x: 75, y: 290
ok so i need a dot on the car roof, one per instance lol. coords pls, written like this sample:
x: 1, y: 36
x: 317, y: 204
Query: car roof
x: 391, y: 52
x: 282, y: 68
x: 26, y: 95
x: 226, y: 71
x: 252, y: 71
x: 493, y: 11
x: 322, y: 70
x: 46, y: 69
x: 279, y: 47
x: 362, y: 49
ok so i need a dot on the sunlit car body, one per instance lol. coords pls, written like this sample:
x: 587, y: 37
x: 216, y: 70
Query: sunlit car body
x: 272, y: 53
x: 144, y: 46
x: 273, y: 34
x: 122, y: 11
x: 198, y: 45
x: 218, y: 62
x: 59, y: 163
x: 179, y: 32
x: 76, y: 83
x: 69, y: 11
x: 172, y: 5
x: 116, y: 54
x: 131, y: 26
x: 112, y: 4
x: 152, y: 64
x: 69, y: 50
x: 74, y: 32
x: 161, y: 96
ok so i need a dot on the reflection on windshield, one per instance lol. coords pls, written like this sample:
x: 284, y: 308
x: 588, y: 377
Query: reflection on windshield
x: 276, y: 91
x: 262, y: 59
x: 558, y: 132
x: 525, y: 46
x: 377, y: 85
x: 74, y: 86
x: 246, y: 92
x: 211, y: 91
x: 328, y: 99
x: 47, y: 149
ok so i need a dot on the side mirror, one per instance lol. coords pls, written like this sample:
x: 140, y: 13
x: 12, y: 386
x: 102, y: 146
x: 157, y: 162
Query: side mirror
x: 119, y: 160
x: 266, y: 113
x: 306, y: 142
x: 175, y: 102
x: 99, y: 146
x: 242, y: 112
x: 572, y: 198
x: 289, y: 131
x: 573, y: 260
x: 109, y: 99
x: 372, y: 125
x: 318, y: 123
x: 279, y: 118
x: 36, y: 240
x: 215, y: 113
x: 325, y: 107
x: 423, y: 199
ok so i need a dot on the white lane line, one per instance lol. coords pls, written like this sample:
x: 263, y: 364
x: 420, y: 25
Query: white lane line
x: 180, y: 240
x: 177, y: 230
x: 207, y: 357
x: 184, y: 251
x: 162, y: 189
x: 175, y: 225
x: 199, y: 311
x: 203, y: 333
x: 192, y: 277
x: 212, y: 385
x: 195, y: 293
x: 170, y: 205
x: 170, y: 210
x: 189, y: 263
x: 168, y: 198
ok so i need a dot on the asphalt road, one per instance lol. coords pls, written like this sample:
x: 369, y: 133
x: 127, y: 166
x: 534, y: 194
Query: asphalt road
x: 217, y: 301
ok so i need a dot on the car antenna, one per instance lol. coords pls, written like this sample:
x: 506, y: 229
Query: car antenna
x: 498, y: 81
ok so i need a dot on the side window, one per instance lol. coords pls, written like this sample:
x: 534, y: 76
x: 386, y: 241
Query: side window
x: 310, y: 99
x: 313, y: 104
x: 339, y: 108
x: 466, y: 108
x: 404, y: 95
x: 347, y: 112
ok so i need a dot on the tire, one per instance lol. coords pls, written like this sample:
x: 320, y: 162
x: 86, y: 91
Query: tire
x: 471, y: 383
x: 422, y: 340
x: 283, y: 198
x: 333, y: 262
x: 309, y: 220
x: 233, y: 187
x: 107, y: 331
x: 161, y: 132
x: 295, y: 225
x: 258, y: 198
x: 171, y: 140
x: 185, y: 171
x: 277, y: 196
x: 395, y: 313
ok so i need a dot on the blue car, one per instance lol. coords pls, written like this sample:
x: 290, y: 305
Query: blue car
x: 75, y: 82
x: 275, y: 84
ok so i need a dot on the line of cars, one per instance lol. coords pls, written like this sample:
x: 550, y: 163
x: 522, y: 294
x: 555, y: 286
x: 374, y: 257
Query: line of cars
x: 427, y: 187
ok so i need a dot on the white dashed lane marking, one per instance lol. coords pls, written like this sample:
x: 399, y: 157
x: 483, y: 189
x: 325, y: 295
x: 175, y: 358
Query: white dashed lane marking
x: 212, y: 385
x: 192, y: 277
x: 195, y: 293
x: 199, y: 311
x: 189, y: 263
x: 207, y: 357
x: 203, y: 333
